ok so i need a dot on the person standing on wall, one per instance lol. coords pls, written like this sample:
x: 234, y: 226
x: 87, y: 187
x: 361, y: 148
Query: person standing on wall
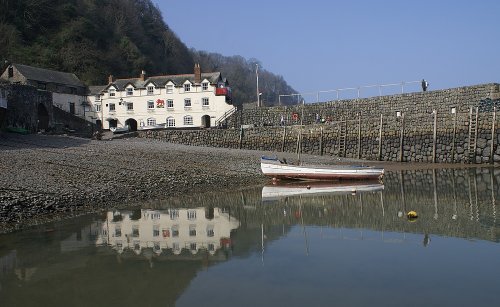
x: 425, y: 84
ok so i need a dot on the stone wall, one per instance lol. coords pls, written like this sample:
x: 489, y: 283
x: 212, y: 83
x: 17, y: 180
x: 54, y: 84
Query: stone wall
x: 32, y: 109
x: 417, y: 127
x: 23, y: 102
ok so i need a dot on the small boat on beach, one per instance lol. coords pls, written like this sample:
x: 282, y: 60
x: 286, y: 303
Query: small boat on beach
x: 316, y: 188
x: 273, y: 167
x: 118, y: 130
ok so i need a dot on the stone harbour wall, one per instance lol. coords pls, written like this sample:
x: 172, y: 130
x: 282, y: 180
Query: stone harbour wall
x: 450, y: 126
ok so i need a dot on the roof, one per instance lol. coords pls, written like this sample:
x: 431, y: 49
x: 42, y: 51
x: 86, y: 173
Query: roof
x: 95, y: 90
x: 47, y: 75
x: 212, y: 77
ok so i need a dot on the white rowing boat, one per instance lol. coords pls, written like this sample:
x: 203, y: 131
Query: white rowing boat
x: 272, y: 167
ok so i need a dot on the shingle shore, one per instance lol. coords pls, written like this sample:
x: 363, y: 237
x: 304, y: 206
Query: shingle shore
x: 45, y: 178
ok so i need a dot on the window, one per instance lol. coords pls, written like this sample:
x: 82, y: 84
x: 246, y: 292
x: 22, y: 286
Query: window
x: 205, y: 102
x: 130, y: 91
x: 211, y: 247
x: 118, y: 232
x: 187, y: 87
x: 11, y: 72
x: 111, y: 107
x: 187, y: 102
x: 188, y: 120
x: 170, y: 89
x: 98, y: 108
x: 151, y: 121
x: 175, y: 231
x: 72, y: 107
x: 170, y: 103
x: 192, y: 247
x: 151, y: 104
x: 170, y: 122
x: 112, y: 92
x: 151, y: 90
x: 204, y: 86
x: 130, y: 106
x: 192, y: 230
x: 156, y: 231
x: 210, y: 231
x: 174, y: 214
x: 135, y: 231
x: 191, y: 214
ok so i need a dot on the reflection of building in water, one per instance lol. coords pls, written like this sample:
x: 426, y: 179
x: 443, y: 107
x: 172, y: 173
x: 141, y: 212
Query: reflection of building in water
x: 171, y: 229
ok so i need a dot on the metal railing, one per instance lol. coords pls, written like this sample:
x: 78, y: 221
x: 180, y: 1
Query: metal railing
x: 359, y: 89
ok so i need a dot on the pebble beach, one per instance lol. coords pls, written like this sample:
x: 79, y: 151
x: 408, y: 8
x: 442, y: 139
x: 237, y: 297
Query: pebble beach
x: 45, y: 178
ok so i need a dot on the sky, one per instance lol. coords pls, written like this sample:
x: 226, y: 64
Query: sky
x: 321, y: 45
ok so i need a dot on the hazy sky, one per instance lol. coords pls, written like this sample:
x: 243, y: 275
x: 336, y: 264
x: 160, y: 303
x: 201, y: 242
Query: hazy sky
x: 321, y: 45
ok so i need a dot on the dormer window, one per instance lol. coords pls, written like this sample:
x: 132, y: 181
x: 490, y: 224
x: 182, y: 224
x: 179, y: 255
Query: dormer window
x: 204, y: 86
x: 170, y: 88
x: 112, y: 92
x: 130, y: 91
x: 11, y: 72
x: 187, y: 87
x: 151, y: 90
x: 97, y: 97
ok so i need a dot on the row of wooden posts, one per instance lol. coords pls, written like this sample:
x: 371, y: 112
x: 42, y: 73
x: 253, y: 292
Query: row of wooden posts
x: 473, y: 118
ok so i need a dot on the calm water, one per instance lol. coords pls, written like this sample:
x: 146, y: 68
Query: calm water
x: 273, y: 246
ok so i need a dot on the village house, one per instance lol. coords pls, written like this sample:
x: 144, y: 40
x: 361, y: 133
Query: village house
x: 68, y: 92
x: 169, y: 101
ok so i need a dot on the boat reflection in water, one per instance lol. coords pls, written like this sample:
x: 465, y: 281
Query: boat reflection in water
x: 168, y: 231
x: 282, y: 189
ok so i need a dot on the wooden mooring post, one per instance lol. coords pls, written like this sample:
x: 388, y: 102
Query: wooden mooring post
x: 493, y: 133
x: 434, y: 137
x: 283, y: 139
x: 359, y: 135
x: 321, y: 141
x: 401, y: 137
x: 380, y: 139
x: 241, y: 138
x: 454, y: 136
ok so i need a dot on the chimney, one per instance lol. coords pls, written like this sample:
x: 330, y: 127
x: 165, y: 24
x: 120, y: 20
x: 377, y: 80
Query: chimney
x: 143, y: 75
x: 111, y: 79
x: 197, y: 73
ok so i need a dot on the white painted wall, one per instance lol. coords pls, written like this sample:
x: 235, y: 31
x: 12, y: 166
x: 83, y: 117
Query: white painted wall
x: 62, y: 101
x: 217, y: 106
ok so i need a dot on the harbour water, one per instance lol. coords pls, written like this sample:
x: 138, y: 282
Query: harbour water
x: 278, y: 245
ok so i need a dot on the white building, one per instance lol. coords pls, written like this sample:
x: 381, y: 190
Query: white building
x: 190, y: 100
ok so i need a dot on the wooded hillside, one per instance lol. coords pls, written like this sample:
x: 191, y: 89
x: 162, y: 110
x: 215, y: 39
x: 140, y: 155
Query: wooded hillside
x: 96, y: 38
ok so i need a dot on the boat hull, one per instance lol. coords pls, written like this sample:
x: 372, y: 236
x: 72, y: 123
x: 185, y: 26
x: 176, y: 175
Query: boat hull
x: 278, y: 170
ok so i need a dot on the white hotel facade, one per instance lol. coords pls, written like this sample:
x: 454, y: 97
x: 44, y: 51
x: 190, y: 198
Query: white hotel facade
x: 170, y: 101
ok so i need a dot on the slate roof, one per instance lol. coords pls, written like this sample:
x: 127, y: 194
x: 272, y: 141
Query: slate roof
x: 49, y: 76
x: 95, y: 90
x: 212, y: 77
